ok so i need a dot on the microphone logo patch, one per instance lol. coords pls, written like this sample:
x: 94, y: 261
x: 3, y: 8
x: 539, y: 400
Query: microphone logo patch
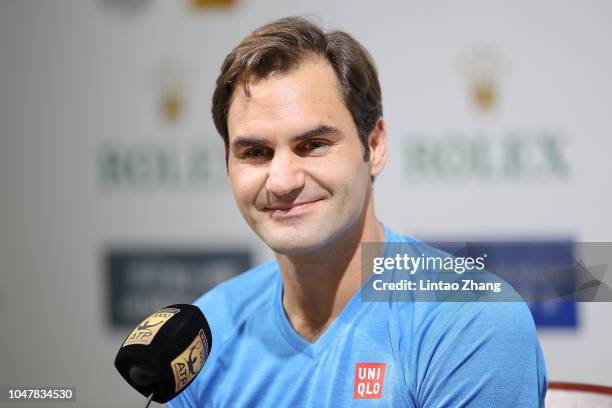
x: 190, y: 361
x: 148, y: 328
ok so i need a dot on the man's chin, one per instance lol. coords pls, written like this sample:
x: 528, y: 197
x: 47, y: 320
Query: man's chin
x: 291, y: 246
x: 293, y: 249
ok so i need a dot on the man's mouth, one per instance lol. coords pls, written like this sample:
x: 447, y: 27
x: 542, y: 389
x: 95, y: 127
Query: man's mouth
x: 290, y: 209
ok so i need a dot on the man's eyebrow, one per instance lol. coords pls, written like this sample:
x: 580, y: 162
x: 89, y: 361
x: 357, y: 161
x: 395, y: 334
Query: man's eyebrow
x: 320, y: 130
x: 248, y: 141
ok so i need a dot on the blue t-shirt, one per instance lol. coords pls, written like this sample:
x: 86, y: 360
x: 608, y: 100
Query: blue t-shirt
x: 392, y: 354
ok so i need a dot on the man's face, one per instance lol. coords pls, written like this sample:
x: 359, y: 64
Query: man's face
x: 295, y: 160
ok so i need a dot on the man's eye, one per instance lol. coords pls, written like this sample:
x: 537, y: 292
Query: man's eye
x: 255, y: 153
x: 313, y: 146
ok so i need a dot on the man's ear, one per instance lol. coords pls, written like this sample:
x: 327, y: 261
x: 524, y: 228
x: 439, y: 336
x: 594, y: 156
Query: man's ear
x: 377, y: 143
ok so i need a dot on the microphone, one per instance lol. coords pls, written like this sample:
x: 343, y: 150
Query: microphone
x: 165, y: 352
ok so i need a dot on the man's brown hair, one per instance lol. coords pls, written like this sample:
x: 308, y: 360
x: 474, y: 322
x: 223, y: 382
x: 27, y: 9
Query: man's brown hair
x: 280, y: 47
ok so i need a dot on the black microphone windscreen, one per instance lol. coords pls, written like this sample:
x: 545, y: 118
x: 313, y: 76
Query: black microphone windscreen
x: 165, y: 352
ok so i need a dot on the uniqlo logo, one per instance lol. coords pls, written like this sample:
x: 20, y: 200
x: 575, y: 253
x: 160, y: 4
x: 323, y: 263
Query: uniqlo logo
x: 369, y: 379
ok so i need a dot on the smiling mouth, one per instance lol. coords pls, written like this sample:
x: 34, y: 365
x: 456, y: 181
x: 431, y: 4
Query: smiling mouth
x: 290, y: 209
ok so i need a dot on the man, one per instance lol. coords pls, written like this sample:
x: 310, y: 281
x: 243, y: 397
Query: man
x: 300, y: 113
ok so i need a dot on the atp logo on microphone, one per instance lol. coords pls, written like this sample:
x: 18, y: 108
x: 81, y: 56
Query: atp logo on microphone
x: 190, y: 362
x: 148, y: 328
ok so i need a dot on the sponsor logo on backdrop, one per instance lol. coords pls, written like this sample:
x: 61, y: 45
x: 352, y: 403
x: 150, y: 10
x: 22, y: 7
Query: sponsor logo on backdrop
x: 202, y: 5
x: 543, y: 271
x: 171, y: 91
x: 142, y: 280
x: 491, y: 153
x: 158, y: 165
x: 168, y: 159
x: 482, y: 67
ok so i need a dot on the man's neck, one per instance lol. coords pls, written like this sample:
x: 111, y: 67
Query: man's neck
x: 318, y: 286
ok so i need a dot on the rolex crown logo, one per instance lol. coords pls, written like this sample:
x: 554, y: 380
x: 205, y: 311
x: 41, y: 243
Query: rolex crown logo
x: 482, y: 66
x: 204, y: 4
x: 171, y: 98
x: 171, y: 106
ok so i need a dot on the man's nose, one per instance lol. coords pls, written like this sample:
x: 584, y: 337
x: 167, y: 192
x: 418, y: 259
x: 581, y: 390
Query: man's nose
x: 285, y: 174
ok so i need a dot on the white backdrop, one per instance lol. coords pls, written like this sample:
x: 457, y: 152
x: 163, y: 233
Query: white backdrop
x: 80, y: 78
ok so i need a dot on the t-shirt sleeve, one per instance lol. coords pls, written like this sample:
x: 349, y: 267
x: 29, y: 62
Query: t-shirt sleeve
x: 483, y: 354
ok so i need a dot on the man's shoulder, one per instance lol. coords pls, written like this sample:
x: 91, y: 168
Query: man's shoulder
x: 480, y: 314
x: 494, y: 342
x: 231, y: 302
x: 444, y: 316
x: 439, y: 319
